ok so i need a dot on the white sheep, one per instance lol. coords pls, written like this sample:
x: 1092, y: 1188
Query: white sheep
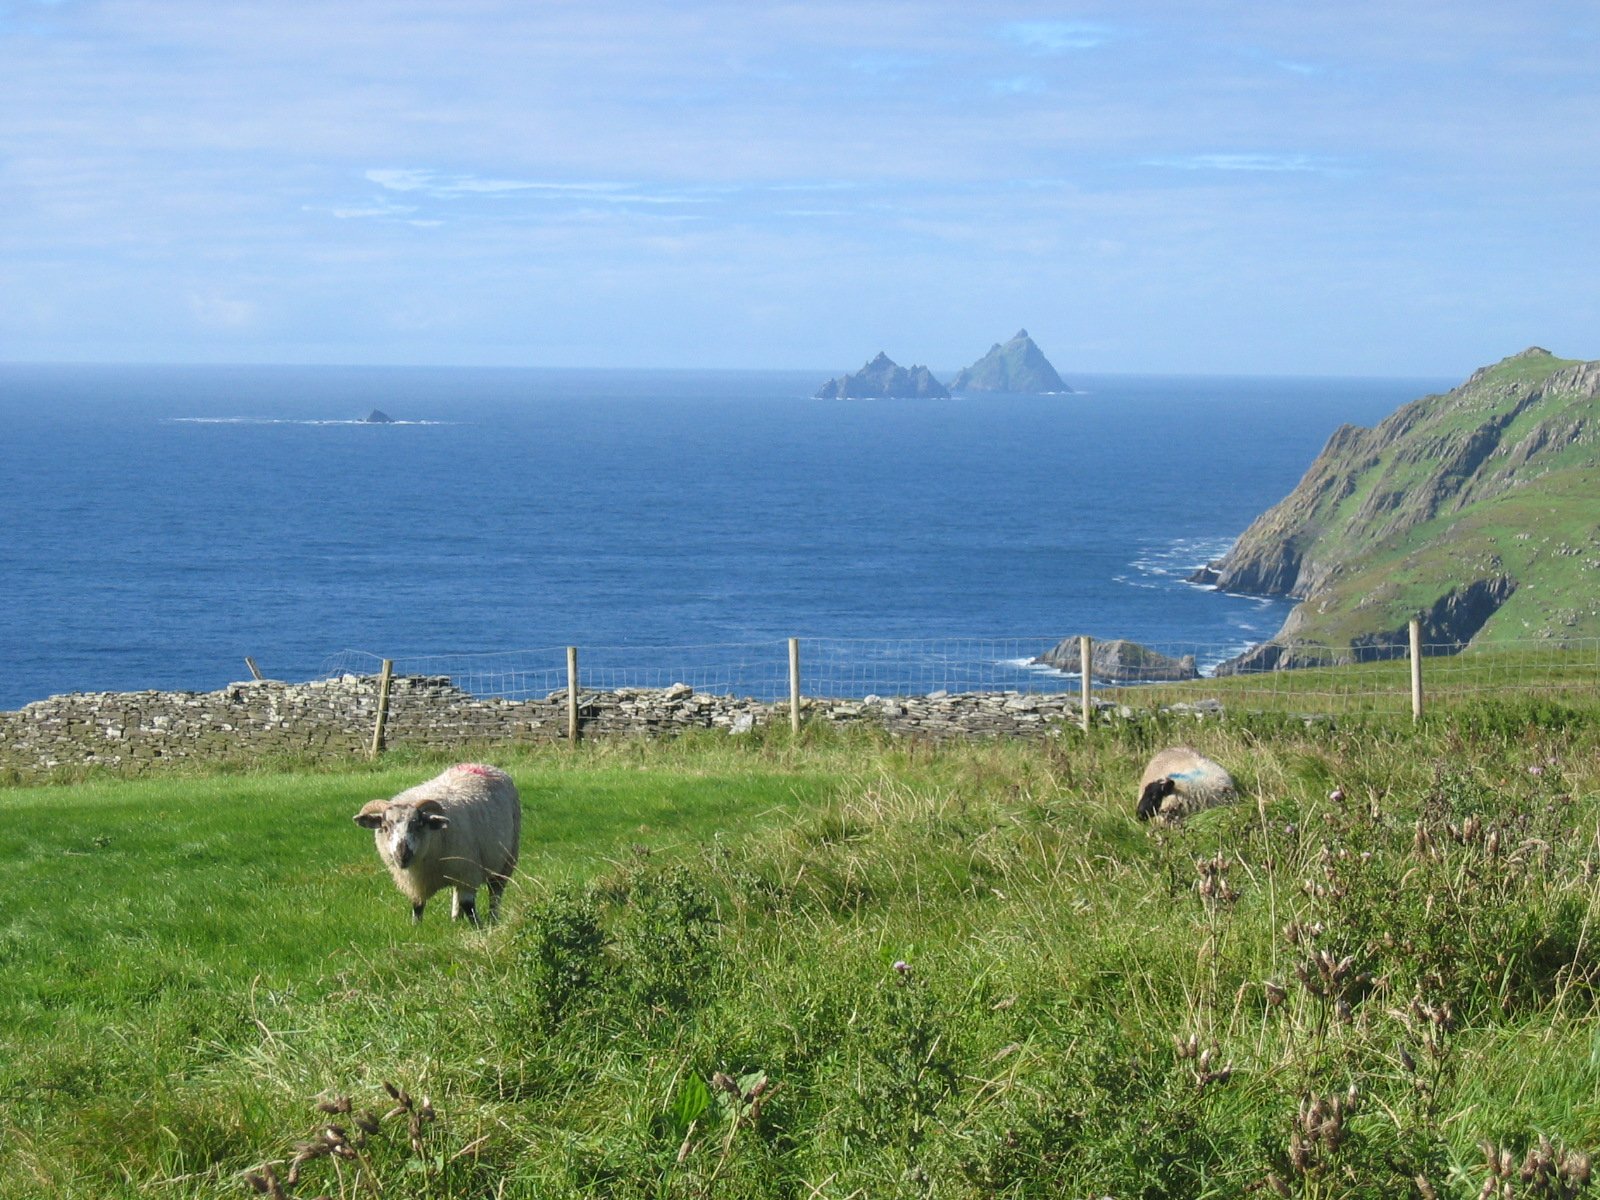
x: 1179, y: 781
x: 458, y: 830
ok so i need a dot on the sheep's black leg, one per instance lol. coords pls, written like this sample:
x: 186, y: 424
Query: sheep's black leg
x: 416, y: 914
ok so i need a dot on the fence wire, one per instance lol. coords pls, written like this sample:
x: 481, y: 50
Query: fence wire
x: 1369, y: 679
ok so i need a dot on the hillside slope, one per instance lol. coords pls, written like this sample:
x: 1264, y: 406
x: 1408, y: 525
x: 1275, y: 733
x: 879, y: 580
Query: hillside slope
x: 1474, y: 509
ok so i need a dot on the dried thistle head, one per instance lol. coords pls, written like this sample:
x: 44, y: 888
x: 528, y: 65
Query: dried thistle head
x: 1577, y: 1165
x: 1205, y: 1076
x: 264, y: 1182
x: 1212, y: 885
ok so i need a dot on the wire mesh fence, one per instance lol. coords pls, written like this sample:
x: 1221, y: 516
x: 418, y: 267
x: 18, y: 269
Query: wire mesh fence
x: 758, y: 669
x: 1300, y: 678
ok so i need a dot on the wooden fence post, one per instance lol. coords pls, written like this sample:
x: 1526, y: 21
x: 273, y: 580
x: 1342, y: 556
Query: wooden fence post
x: 255, y: 671
x: 383, y: 709
x: 794, y: 685
x: 1416, y: 669
x: 572, y: 695
x: 1086, y: 665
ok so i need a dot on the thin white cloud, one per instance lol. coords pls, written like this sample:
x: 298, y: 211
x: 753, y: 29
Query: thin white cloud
x: 1057, y: 37
x: 832, y: 185
x: 889, y: 65
x: 217, y: 311
x: 454, y: 187
x: 1018, y: 85
x: 352, y: 212
x: 401, y: 181
x: 1291, y: 66
x: 1243, y: 162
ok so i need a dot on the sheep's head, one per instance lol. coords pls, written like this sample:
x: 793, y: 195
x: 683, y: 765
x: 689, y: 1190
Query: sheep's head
x: 1154, y: 793
x: 402, y: 829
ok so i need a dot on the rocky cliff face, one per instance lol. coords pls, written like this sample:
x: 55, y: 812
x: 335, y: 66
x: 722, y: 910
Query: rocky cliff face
x: 1472, y: 509
x: 885, y: 378
x: 1018, y: 367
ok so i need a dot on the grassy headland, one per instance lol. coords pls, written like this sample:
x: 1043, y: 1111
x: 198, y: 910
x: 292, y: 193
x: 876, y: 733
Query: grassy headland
x: 1472, y: 508
x: 843, y: 966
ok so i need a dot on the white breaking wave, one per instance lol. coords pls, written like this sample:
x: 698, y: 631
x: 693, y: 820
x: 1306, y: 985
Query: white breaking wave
x: 1179, y: 558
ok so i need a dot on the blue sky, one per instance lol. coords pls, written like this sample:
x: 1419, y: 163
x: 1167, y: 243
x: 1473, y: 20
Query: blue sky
x: 1332, y: 188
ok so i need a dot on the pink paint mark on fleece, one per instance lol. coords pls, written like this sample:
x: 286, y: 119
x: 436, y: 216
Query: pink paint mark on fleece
x: 475, y: 769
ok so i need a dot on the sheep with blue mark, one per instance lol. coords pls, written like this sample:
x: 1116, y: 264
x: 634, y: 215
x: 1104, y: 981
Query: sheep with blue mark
x: 1179, y: 781
x: 459, y: 830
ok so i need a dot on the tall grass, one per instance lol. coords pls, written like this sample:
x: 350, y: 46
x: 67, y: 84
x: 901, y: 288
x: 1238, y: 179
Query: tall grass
x: 842, y: 966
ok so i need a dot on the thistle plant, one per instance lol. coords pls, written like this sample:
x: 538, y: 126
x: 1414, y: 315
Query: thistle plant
x: 346, y: 1143
x: 1546, y: 1173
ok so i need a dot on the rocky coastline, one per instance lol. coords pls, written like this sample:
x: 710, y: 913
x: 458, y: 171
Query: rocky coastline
x: 1469, y: 511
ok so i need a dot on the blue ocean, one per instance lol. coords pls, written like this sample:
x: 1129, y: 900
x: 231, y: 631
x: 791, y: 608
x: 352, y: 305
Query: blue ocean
x: 161, y: 523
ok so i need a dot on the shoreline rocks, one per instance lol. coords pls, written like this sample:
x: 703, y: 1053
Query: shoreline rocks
x: 1120, y: 661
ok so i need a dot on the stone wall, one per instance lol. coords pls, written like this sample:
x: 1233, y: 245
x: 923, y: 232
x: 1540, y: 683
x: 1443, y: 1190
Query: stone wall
x: 133, y: 732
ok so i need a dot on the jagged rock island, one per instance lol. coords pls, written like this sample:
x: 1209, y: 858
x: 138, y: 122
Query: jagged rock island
x: 1018, y: 367
x: 1119, y: 661
x: 1473, y: 510
x: 884, y: 378
x: 377, y: 417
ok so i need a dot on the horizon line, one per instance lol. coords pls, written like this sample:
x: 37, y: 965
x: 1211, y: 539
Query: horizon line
x: 826, y: 372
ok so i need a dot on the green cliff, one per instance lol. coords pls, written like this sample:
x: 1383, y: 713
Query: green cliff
x: 1475, y: 510
x: 1018, y: 367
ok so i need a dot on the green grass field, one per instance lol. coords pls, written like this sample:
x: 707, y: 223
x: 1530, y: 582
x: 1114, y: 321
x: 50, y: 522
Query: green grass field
x: 836, y: 967
x: 1561, y: 674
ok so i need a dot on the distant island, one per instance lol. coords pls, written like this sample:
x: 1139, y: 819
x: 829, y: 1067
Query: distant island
x: 1017, y: 367
x: 886, y: 379
x: 1472, y: 510
x: 377, y: 417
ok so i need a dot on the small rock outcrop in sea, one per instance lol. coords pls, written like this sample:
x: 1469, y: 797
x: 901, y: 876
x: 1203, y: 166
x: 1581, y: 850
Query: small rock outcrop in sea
x: 377, y: 417
x: 1018, y: 367
x: 1120, y: 661
x: 884, y: 378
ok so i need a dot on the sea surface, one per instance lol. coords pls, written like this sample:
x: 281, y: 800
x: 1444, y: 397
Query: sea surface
x: 161, y: 523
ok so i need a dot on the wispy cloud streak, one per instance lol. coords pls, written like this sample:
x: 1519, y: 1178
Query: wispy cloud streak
x: 1058, y: 37
x: 1247, y: 162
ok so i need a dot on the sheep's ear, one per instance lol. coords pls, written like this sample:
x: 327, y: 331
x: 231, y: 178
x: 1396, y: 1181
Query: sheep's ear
x: 371, y: 814
x: 432, y: 815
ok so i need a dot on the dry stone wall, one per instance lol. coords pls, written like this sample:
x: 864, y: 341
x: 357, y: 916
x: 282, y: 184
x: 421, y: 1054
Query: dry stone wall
x: 135, y: 732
